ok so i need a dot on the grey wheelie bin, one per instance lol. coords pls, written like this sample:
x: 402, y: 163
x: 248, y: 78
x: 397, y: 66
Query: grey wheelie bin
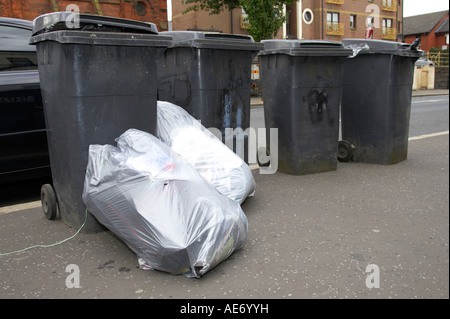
x: 97, y: 81
x: 208, y: 74
x: 376, y: 101
x: 302, y: 90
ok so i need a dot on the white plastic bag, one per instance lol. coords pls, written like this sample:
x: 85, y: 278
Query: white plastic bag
x: 219, y: 165
x: 158, y: 204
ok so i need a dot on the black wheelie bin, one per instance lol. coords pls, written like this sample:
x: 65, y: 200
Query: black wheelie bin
x: 376, y: 101
x: 97, y: 81
x: 209, y: 75
x: 301, y: 82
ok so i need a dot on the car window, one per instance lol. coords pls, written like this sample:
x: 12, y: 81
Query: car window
x: 15, y: 52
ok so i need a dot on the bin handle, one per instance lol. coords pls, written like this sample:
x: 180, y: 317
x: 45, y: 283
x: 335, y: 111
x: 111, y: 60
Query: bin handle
x: 415, y: 44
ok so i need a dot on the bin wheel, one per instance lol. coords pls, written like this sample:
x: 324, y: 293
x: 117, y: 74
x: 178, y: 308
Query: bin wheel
x: 48, y: 201
x: 346, y: 151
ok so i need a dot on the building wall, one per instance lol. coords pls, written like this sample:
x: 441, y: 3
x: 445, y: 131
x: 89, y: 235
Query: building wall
x: 316, y: 29
x: 344, y: 8
x: 154, y: 11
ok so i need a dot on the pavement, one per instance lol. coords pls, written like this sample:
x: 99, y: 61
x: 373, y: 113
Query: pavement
x: 364, y: 231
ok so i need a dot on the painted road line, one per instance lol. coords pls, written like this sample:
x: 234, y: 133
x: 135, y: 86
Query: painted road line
x: 427, y: 135
x: 430, y: 101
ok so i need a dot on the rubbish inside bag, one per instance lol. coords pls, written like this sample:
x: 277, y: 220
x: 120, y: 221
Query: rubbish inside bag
x: 218, y: 164
x: 160, y: 206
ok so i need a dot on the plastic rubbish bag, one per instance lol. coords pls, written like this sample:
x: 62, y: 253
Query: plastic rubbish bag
x: 158, y: 204
x: 218, y: 164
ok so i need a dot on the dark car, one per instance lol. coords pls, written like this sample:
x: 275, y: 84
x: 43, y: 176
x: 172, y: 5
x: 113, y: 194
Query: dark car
x: 23, y: 140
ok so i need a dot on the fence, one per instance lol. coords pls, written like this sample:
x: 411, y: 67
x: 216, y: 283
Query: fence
x: 438, y: 58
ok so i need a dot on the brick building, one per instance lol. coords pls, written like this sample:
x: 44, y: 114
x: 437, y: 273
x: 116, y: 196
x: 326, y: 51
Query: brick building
x: 154, y: 11
x: 432, y: 28
x: 308, y: 19
x: 338, y: 19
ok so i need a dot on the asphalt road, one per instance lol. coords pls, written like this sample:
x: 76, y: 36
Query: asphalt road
x: 312, y: 236
x: 429, y: 114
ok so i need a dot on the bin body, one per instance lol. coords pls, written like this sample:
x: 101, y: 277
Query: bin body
x: 209, y: 75
x: 376, y: 100
x: 302, y: 91
x: 95, y: 86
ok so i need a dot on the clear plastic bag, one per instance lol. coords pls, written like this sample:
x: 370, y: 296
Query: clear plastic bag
x: 158, y: 204
x: 219, y: 165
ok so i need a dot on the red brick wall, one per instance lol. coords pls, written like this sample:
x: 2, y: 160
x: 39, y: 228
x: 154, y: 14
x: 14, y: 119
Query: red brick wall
x: 154, y: 11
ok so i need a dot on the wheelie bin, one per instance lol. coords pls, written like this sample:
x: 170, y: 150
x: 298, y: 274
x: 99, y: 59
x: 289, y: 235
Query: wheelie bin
x: 301, y: 82
x: 97, y: 81
x: 209, y: 75
x: 376, y: 101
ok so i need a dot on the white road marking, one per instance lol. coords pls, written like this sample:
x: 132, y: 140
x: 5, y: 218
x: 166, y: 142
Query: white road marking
x: 427, y: 135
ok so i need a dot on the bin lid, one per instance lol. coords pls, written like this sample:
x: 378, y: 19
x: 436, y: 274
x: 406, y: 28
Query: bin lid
x: 304, y: 48
x: 63, y: 20
x: 209, y: 40
x: 381, y: 47
x: 103, y: 38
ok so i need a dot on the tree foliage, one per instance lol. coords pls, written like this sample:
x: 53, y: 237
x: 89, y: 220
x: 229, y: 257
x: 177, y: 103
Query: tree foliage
x: 264, y: 16
x: 213, y: 6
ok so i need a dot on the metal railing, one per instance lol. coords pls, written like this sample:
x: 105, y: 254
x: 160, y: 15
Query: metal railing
x: 335, y: 1
x: 389, y: 34
x: 389, y: 5
x: 335, y: 29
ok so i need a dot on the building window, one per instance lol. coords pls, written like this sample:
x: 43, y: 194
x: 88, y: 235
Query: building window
x: 332, y: 18
x: 389, y: 5
x: 389, y: 33
x: 353, y: 21
x: 387, y: 24
x: 141, y: 8
x: 333, y: 25
x: 308, y: 16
